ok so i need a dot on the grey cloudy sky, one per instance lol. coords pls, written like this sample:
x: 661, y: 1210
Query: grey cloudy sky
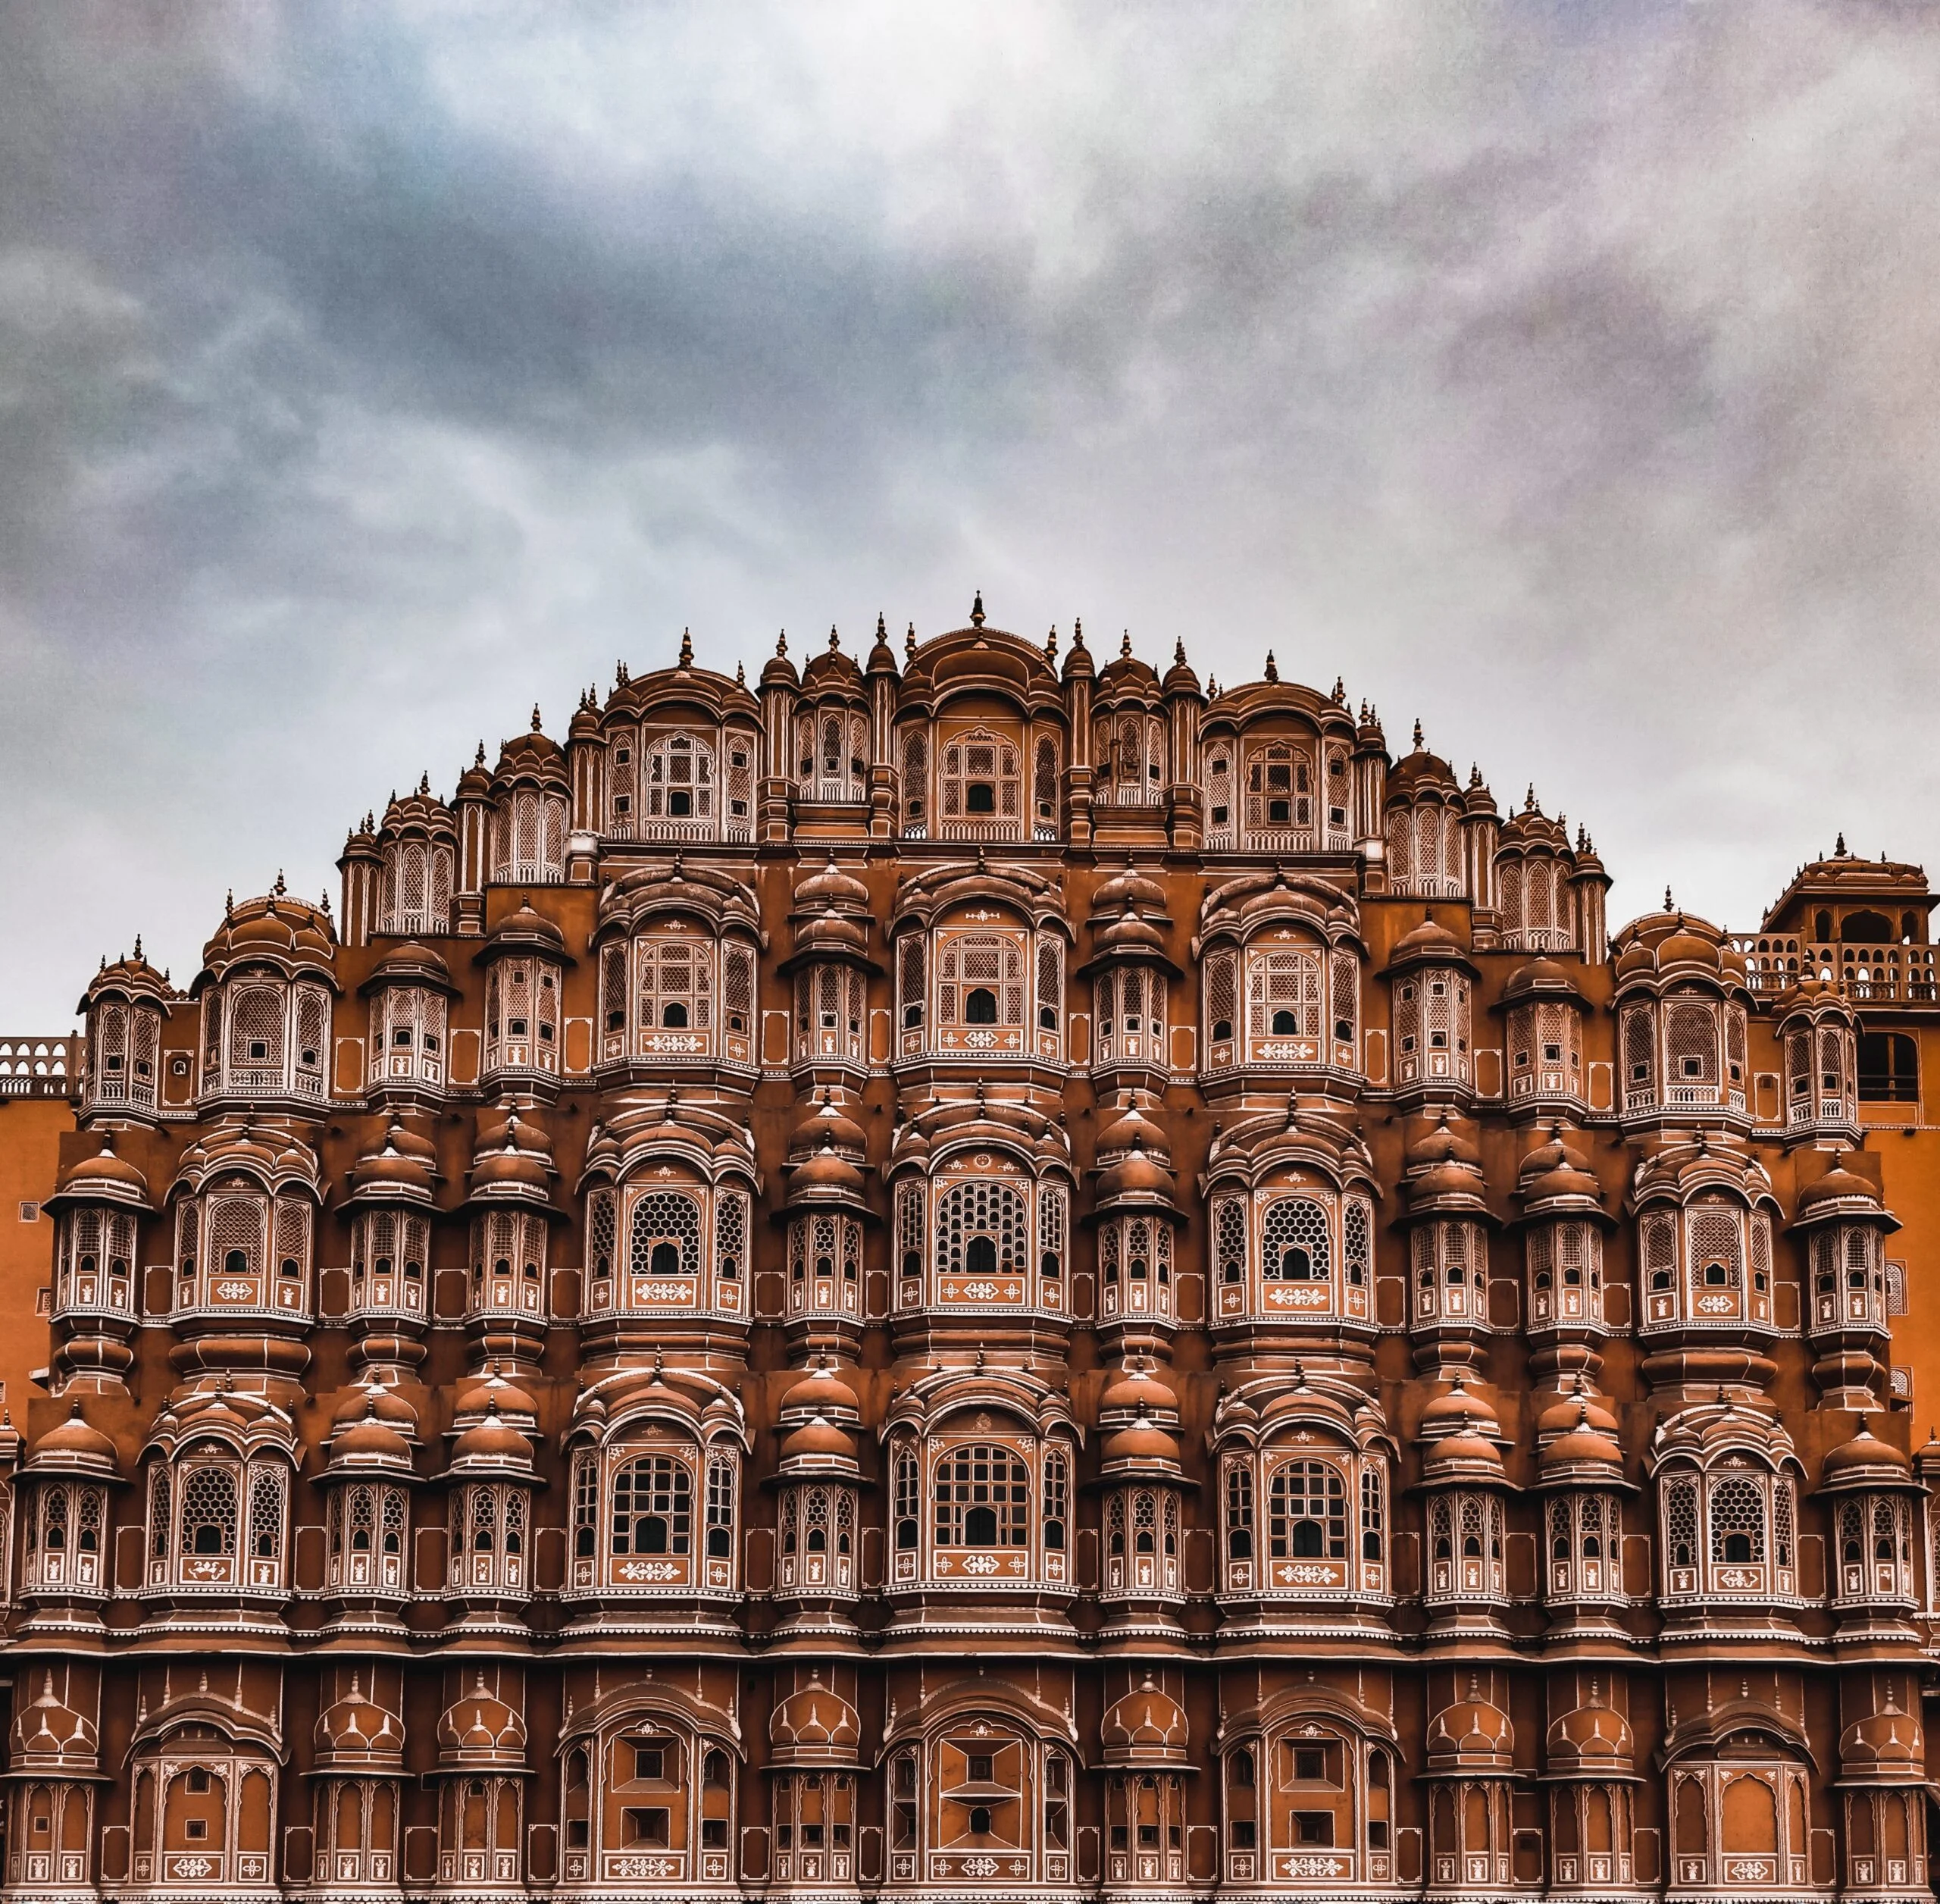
x: 1563, y: 375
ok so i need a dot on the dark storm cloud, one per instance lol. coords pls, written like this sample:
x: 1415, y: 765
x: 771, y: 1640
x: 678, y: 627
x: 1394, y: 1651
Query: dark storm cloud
x: 1562, y: 374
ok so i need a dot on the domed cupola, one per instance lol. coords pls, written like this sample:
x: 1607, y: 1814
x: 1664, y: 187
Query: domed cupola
x: 1133, y: 982
x: 1843, y: 1227
x: 1534, y: 870
x: 1464, y: 1482
x: 525, y: 960
x: 50, y: 1738
x: 1681, y: 1004
x: 265, y: 989
x: 1136, y: 1217
x: 1591, y: 1740
x: 814, y: 1725
x: 1472, y: 1735
x: 480, y: 1730
x: 1145, y: 1727
x: 1432, y: 980
x: 1563, y: 1220
x: 829, y: 966
x: 817, y: 1511
x: 1422, y: 833
x: 126, y: 1006
x: 411, y: 992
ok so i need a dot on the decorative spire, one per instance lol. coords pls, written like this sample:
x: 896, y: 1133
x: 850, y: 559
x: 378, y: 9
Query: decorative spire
x: 1179, y: 652
x: 1125, y: 646
x: 1418, y: 734
x: 834, y: 640
x: 740, y: 675
x: 138, y: 948
x: 1667, y: 899
x: 535, y: 717
x: 686, y: 648
x: 977, y: 611
x: 882, y: 626
x: 909, y: 642
x: 781, y: 643
x: 1051, y: 644
x: 278, y: 888
x: 1839, y: 847
x: 1272, y: 667
x: 478, y: 758
x: 1076, y: 631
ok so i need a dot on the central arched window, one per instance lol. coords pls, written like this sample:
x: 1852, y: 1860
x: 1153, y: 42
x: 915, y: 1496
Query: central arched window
x: 653, y: 1507
x: 981, y: 1230
x: 1307, y: 1512
x: 208, y: 1511
x: 1296, y: 1244
x: 983, y: 1498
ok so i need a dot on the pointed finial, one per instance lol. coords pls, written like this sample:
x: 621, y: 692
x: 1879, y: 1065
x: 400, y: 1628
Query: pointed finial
x: 686, y: 648
x: 1078, y: 631
x: 740, y: 675
x: 478, y: 758
x: 781, y: 643
x: 1051, y: 644
x: 1418, y: 734
x: 1667, y: 899
x: 909, y: 642
x: 834, y: 640
x: 977, y: 611
x: 1125, y: 646
x: 535, y: 717
x: 1272, y: 667
x: 882, y: 626
x: 228, y: 906
x: 278, y: 888
x: 1340, y: 696
x: 1529, y: 799
x: 138, y: 946
x: 1839, y: 847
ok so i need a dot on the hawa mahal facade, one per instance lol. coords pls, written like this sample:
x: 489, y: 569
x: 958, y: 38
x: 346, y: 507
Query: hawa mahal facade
x: 976, y: 1275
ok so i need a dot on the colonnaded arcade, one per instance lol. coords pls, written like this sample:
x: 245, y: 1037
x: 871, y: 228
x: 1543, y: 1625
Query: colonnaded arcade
x: 972, y: 1275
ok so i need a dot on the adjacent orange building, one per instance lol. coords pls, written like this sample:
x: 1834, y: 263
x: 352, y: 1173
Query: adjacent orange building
x: 975, y: 1276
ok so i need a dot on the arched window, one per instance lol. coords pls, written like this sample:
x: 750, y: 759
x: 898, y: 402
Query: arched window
x: 677, y: 787
x: 209, y: 1515
x: 1306, y: 1511
x: 982, y: 1497
x: 1298, y: 1246
x: 653, y: 1507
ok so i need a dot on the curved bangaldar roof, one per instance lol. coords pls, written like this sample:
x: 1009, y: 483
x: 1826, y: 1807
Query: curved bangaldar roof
x: 980, y: 660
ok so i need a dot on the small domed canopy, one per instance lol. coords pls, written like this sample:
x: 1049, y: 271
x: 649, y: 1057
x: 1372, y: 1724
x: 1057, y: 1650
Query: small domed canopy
x: 401, y: 1167
x: 512, y: 1162
x: 822, y: 1390
x: 410, y: 964
x: 830, y: 887
x: 1842, y: 1195
x: 375, y: 1398
x: 1473, y: 1735
x: 355, y: 1733
x: 1142, y: 1448
x: 1540, y: 977
x: 369, y: 1444
x: 1460, y: 1439
x: 479, y: 1731
x: 1582, y: 1455
x: 131, y: 981
x: 1145, y: 1727
x: 103, y: 1178
x: 815, y: 1725
x: 1422, y: 775
x: 74, y: 1447
x: 1430, y: 943
x: 524, y: 931
x: 1865, y: 1463
x: 1140, y: 1388
x: 1136, y: 1181
x: 1676, y: 944
x: 1555, y: 1180
x: 492, y: 1447
x: 817, y: 1447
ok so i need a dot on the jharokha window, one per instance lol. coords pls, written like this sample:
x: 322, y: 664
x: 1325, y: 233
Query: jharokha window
x: 998, y: 1511
x: 1313, y: 1258
x: 981, y: 786
x: 1324, y: 1534
x: 981, y: 1805
x: 671, y: 995
x: 217, y: 1522
x: 1709, y: 1265
x: 997, y: 1240
x: 656, y: 1517
x: 667, y: 1251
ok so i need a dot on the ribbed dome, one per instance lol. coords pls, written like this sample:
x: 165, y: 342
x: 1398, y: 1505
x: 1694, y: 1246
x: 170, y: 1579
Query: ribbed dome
x: 1838, y: 1187
x: 1128, y: 888
x: 1582, y: 1446
x: 1141, y: 1447
x: 1430, y: 942
x: 818, y: 1443
x: 1131, y: 1126
x: 1885, y: 1745
x: 278, y: 929
x: 1146, y: 1726
x: 355, y: 1730
x: 1442, y: 1144
x: 1590, y: 1739
x: 524, y: 930
x: 48, y: 1734
x: 479, y: 1729
x: 370, y: 1442
x: 1865, y: 1458
x: 492, y: 1443
x: 1473, y: 1735
x: 1136, y: 1177
x: 815, y: 1725
x: 1138, y: 1386
x: 1540, y: 977
x: 401, y: 1165
x: 378, y: 1399
x: 821, y: 1391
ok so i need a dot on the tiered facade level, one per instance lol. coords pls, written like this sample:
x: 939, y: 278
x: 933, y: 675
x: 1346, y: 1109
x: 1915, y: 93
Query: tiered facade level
x: 970, y: 1277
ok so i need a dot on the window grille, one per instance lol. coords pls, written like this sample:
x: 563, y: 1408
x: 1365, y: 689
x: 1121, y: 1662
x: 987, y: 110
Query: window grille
x: 676, y: 985
x: 1239, y: 1510
x: 909, y: 1229
x: 980, y: 1212
x: 1297, y: 1248
x: 1738, y: 1520
x: 236, y: 1228
x: 1279, y: 795
x: 256, y: 1027
x: 737, y: 988
x: 665, y: 1235
x: 908, y: 1500
x: 1401, y: 844
x: 652, y: 1498
x: 1373, y: 1519
x: 266, y: 1516
x: 1222, y: 795
x: 620, y: 777
x: 1229, y: 1238
x: 1283, y: 994
x: 730, y: 1234
x: 1057, y: 1477
x: 983, y: 1498
x: 1044, y: 787
x: 1680, y: 1510
x: 208, y: 1511
x: 1508, y: 890
x: 915, y: 784
x: 1050, y: 1231
x: 1222, y: 998
x: 1691, y: 1044
x: 1307, y: 1512
x: 721, y: 1490
x: 1347, y: 997
x: 1050, y: 984
x: 909, y: 972
x: 158, y: 1514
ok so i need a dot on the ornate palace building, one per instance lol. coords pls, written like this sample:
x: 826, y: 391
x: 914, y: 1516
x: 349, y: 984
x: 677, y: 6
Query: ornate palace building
x: 976, y: 1276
